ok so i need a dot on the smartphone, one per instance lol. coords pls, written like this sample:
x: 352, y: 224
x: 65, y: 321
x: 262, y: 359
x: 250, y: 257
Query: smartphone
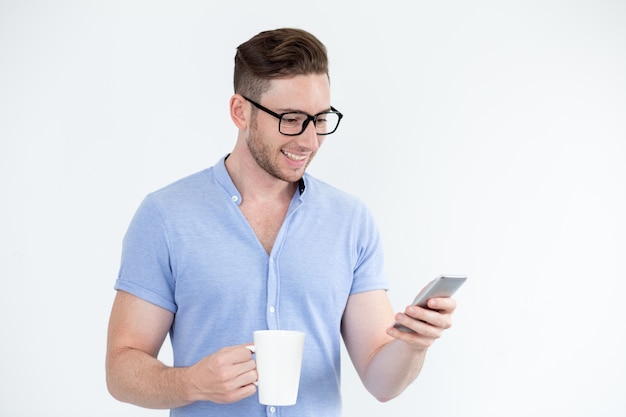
x: 442, y: 286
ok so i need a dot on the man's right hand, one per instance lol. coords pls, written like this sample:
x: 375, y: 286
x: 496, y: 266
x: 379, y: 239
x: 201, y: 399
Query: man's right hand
x: 225, y: 376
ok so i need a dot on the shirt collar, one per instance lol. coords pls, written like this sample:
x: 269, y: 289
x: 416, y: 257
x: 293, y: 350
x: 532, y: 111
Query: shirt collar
x: 226, y: 182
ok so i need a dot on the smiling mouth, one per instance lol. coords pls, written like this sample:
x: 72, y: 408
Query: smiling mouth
x: 294, y: 157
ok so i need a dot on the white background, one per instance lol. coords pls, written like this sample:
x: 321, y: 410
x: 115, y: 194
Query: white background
x: 488, y: 138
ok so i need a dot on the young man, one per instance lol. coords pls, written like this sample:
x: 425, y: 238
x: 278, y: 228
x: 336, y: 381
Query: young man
x: 254, y: 243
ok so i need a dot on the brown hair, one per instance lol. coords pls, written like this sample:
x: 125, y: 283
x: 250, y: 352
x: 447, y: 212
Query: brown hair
x: 279, y: 53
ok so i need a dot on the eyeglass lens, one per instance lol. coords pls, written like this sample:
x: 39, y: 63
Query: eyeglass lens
x: 296, y: 123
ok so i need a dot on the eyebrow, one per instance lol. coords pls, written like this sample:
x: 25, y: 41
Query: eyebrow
x: 290, y: 110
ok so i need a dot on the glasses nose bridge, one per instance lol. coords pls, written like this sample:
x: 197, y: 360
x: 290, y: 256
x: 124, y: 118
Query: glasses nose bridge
x: 305, y: 125
x: 308, y: 119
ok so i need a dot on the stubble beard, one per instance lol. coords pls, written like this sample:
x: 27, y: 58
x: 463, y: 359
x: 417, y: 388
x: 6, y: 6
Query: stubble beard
x: 267, y: 157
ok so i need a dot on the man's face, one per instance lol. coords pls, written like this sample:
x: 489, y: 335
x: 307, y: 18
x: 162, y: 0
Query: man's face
x: 287, y: 157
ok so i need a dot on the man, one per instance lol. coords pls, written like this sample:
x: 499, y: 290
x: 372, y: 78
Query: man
x: 256, y: 243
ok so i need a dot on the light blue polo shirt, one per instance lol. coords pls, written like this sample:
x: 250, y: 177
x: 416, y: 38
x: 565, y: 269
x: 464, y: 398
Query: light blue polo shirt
x: 190, y: 250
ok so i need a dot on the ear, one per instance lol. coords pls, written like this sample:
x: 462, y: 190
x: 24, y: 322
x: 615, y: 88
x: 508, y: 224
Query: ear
x: 239, y: 111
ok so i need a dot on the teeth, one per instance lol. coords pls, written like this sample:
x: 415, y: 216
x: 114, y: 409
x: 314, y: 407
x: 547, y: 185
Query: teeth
x: 294, y: 157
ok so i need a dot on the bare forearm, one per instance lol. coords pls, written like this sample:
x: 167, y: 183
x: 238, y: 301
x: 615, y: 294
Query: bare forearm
x: 392, y: 369
x: 135, y: 377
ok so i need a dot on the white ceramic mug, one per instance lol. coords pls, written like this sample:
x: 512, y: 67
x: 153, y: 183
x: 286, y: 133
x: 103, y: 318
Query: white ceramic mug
x: 278, y: 364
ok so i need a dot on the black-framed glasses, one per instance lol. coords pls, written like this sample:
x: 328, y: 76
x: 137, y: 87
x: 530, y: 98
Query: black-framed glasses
x: 293, y: 123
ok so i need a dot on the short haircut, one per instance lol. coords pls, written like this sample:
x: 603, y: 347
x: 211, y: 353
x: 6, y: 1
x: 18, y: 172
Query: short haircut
x: 274, y: 54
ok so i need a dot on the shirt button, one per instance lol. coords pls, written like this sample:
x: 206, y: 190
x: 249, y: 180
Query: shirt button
x: 272, y: 410
x: 272, y: 310
x: 234, y: 198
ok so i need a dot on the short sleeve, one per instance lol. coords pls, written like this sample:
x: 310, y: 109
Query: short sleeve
x: 145, y: 269
x: 369, y: 269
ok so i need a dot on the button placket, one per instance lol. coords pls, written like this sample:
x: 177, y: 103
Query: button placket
x: 272, y: 295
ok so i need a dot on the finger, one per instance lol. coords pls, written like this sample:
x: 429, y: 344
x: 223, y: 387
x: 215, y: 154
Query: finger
x: 235, y: 391
x: 248, y: 389
x: 423, y: 319
x: 249, y: 377
x: 416, y: 339
x: 444, y: 305
x: 437, y: 319
x: 414, y: 324
x: 241, y: 353
x: 244, y: 369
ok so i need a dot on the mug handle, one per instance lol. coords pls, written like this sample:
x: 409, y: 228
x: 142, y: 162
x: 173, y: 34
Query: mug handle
x: 252, y: 349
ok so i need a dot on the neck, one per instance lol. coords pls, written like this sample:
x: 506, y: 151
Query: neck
x: 254, y: 183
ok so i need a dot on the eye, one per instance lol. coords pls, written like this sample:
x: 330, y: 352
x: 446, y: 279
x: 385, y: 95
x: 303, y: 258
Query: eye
x: 289, y: 120
x: 322, y: 118
x: 293, y: 118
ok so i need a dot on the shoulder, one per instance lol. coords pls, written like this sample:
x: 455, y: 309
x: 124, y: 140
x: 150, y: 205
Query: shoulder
x: 188, y: 191
x: 322, y: 196
x: 184, y: 186
x: 317, y: 189
x: 180, y: 198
